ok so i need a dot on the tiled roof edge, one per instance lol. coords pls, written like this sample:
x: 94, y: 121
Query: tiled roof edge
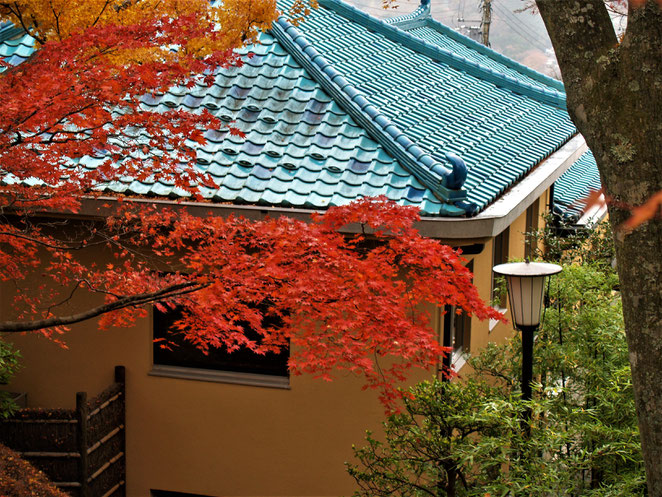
x: 444, y: 184
x: 8, y: 31
x: 479, y: 47
x: 551, y: 96
x: 413, y: 20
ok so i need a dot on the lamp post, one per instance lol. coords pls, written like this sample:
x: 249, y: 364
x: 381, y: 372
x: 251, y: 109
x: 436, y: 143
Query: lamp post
x: 526, y: 287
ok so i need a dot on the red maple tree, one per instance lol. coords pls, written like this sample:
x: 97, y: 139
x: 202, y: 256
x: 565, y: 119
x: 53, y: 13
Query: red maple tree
x: 344, y: 301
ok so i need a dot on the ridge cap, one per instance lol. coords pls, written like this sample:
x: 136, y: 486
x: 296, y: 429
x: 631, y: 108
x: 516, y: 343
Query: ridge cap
x: 444, y: 182
x: 421, y: 12
x: 493, y: 54
x: 550, y: 96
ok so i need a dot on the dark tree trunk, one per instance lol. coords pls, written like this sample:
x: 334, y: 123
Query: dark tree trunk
x: 615, y: 99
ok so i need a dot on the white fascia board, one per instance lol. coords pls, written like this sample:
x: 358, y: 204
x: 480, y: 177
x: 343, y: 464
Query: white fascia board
x: 499, y: 215
x: 595, y: 214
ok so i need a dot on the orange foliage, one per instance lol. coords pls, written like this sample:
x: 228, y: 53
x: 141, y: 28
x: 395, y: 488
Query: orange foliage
x: 345, y: 301
x: 640, y: 214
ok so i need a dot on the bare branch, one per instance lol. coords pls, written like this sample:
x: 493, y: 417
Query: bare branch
x: 122, y: 303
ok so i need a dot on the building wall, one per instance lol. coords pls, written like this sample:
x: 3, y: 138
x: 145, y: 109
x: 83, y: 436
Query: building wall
x: 222, y: 439
x: 516, y: 247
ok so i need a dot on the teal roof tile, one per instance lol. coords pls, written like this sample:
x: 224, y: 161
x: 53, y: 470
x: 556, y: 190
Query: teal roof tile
x: 348, y: 106
x: 574, y: 186
x: 15, y: 45
x: 300, y: 148
x: 442, y: 107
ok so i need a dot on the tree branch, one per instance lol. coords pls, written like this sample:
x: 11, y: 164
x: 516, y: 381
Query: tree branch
x: 121, y: 303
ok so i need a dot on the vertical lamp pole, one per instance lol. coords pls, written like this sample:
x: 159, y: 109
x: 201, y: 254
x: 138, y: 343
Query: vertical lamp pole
x: 526, y: 287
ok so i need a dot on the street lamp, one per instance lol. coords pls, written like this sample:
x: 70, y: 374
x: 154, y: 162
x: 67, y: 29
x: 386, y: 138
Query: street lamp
x: 526, y: 286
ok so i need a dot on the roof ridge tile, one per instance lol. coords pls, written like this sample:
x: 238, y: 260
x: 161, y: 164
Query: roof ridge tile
x: 552, y: 97
x: 444, y: 183
x: 493, y: 54
x: 410, y: 20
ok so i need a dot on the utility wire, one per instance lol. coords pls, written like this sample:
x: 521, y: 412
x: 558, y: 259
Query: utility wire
x: 517, y: 25
x: 517, y: 22
x: 514, y: 21
x: 518, y: 28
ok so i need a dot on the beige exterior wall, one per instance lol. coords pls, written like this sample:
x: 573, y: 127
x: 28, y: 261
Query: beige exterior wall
x: 205, y: 437
x: 221, y: 439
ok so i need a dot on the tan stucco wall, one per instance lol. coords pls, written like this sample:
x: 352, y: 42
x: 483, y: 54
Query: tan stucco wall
x: 202, y: 437
x: 219, y: 439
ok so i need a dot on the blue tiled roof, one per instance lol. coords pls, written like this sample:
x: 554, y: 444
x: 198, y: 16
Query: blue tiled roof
x: 574, y: 185
x: 421, y: 24
x: 501, y: 126
x: 300, y: 150
x: 346, y: 105
x: 15, y: 45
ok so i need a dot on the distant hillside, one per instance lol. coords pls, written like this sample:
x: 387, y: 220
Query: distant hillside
x: 521, y: 36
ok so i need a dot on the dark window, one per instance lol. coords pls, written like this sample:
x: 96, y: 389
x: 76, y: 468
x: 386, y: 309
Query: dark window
x: 500, y: 256
x: 532, y: 214
x: 461, y: 332
x: 184, y: 354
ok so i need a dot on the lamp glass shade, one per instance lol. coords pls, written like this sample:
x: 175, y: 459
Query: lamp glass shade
x: 526, y: 287
x: 526, y: 297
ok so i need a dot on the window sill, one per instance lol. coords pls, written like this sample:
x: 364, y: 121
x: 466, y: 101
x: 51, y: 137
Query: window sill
x: 494, y: 322
x: 248, y: 379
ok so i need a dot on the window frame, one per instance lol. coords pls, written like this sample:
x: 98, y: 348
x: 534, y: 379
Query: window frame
x: 451, y: 323
x: 531, y: 225
x: 227, y: 372
x: 500, y: 247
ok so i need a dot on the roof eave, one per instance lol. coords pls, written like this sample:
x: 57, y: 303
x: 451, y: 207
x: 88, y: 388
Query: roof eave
x: 489, y: 223
x: 501, y: 214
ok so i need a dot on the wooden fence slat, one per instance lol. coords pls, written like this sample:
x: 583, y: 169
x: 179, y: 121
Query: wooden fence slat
x: 67, y: 484
x: 112, y: 490
x: 81, y: 439
x: 107, y: 465
x: 41, y: 421
x: 105, y: 405
x: 49, y: 454
x: 105, y: 439
x: 78, y: 445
